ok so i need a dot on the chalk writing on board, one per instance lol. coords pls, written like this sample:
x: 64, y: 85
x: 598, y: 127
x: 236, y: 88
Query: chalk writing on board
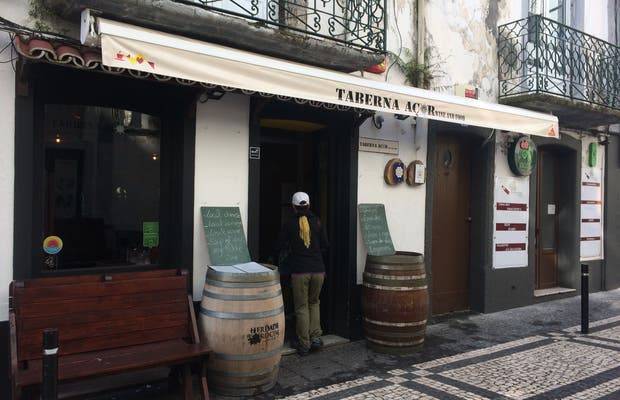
x: 225, y: 236
x: 375, y: 230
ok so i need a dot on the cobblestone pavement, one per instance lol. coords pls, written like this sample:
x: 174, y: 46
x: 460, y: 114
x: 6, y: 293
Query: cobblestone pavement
x: 534, y: 352
x: 557, y: 365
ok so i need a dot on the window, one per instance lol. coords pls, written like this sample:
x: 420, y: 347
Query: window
x: 102, y: 187
x: 556, y: 10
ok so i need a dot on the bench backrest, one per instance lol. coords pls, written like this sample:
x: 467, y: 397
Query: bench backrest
x: 98, y: 312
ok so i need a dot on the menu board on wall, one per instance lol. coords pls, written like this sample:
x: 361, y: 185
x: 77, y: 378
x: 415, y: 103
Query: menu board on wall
x: 591, y: 213
x: 510, y: 222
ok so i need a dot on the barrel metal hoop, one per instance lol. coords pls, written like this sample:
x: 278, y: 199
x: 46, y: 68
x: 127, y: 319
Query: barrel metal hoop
x: 395, y: 277
x: 239, y: 315
x: 242, y: 285
x: 247, y: 357
x: 382, y: 323
x: 248, y: 277
x: 396, y: 344
x: 259, y: 374
x: 235, y: 297
x: 395, y: 288
x: 401, y: 267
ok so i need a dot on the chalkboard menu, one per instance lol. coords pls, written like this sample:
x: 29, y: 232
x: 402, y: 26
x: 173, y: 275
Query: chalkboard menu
x: 375, y: 230
x: 225, y: 236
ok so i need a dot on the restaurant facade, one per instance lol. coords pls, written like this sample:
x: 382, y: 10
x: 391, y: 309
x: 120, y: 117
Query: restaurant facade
x: 113, y: 144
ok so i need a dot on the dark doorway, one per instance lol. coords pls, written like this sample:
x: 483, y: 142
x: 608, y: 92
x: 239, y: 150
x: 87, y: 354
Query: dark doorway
x: 311, y: 150
x: 547, y: 241
x: 451, y: 224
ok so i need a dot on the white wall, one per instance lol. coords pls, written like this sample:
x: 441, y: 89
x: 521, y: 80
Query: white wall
x: 404, y: 204
x: 14, y: 11
x: 221, y: 170
x: 462, y: 43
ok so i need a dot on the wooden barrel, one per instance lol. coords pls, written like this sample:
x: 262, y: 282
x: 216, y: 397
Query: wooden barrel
x: 242, y: 320
x: 395, y: 302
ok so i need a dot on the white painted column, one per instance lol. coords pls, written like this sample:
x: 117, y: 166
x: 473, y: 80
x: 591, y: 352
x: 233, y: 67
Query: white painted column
x: 221, y: 165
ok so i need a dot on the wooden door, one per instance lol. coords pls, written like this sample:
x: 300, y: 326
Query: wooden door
x: 547, y: 211
x: 451, y: 225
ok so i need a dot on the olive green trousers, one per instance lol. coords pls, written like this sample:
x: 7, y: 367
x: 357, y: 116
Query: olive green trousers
x: 306, y: 291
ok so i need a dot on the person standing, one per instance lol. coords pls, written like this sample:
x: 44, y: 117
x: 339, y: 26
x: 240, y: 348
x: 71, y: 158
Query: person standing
x: 305, y: 241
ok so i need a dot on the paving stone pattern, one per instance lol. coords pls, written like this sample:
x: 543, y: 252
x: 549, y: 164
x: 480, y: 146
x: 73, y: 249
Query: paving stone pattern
x: 560, y: 365
x: 535, y: 352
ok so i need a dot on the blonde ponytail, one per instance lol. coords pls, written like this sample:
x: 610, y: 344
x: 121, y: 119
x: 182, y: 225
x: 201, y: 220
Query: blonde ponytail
x: 304, y: 230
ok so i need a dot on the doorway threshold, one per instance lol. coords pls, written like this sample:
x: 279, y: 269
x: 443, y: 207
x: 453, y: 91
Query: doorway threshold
x: 328, y: 341
x: 552, y: 291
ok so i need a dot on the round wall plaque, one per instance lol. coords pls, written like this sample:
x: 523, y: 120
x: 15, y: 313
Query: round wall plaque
x: 522, y: 156
x: 394, y: 172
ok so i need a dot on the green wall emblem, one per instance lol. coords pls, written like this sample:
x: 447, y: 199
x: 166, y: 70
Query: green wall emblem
x: 522, y: 156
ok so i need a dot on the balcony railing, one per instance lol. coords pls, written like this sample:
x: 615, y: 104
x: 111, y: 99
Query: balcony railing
x: 355, y: 23
x: 539, y: 55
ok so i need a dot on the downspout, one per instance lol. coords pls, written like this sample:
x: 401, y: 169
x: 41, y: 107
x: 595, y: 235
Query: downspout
x: 421, y: 34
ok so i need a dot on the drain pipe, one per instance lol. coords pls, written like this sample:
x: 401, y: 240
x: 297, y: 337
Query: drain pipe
x: 421, y: 34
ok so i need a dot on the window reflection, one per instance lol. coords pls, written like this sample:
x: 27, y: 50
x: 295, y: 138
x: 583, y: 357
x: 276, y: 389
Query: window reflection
x: 102, y: 180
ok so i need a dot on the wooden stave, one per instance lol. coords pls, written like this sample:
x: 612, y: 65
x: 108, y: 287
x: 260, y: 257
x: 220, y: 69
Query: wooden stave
x: 392, y: 284
x: 254, y: 380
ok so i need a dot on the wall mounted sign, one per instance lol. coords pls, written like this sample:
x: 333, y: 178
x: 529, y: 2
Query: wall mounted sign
x: 378, y: 146
x: 52, y: 245
x: 394, y: 172
x: 510, y: 222
x: 416, y: 173
x: 592, y: 154
x: 522, y: 156
x: 591, y: 213
x: 254, y: 153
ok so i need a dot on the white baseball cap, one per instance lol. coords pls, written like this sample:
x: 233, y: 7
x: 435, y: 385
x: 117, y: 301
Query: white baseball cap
x: 301, y: 199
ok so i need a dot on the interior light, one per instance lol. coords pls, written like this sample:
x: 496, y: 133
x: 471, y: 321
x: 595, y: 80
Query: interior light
x: 58, y: 140
x: 155, y: 157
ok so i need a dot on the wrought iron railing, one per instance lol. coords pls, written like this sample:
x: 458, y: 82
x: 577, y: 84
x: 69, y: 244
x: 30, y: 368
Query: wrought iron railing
x: 355, y: 23
x: 539, y: 55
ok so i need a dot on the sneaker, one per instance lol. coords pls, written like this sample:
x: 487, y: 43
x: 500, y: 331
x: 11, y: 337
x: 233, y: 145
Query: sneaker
x: 316, y: 344
x: 302, y: 351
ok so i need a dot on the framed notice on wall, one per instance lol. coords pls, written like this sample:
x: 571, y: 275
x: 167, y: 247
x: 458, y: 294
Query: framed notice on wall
x: 591, y: 214
x: 510, y: 222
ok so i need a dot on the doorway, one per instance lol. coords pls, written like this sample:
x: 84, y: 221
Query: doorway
x: 547, y: 240
x: 312, y: 150
x: 450, y: 253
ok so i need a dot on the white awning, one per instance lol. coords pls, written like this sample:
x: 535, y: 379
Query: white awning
x: 140, y: 49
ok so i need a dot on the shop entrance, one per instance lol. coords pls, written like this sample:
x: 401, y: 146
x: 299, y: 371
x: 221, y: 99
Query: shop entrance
x: 306, y: 149
x: 451, y: 224
x: 547, y: 244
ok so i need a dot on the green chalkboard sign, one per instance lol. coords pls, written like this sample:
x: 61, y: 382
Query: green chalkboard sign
x: 225, y: 236
x: 375, y: 230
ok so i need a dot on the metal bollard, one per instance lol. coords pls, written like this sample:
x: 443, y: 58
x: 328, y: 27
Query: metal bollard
x: 585, y: 319
x: 49, y: 385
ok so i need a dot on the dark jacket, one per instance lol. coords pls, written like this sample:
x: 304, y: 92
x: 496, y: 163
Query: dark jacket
x: 298, y: 258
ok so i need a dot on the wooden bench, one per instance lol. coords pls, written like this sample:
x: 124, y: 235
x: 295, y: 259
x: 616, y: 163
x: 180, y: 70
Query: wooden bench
x: 107, y: 324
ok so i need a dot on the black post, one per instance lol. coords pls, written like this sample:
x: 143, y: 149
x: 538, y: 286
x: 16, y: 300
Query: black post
x: 585, y: 319
x: 49, y: 386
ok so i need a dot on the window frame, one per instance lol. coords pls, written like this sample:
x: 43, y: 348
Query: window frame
x: 39, y: 84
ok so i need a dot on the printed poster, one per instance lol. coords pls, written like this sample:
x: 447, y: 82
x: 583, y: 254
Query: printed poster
x: 591, y: 214
x: 510, y: 222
